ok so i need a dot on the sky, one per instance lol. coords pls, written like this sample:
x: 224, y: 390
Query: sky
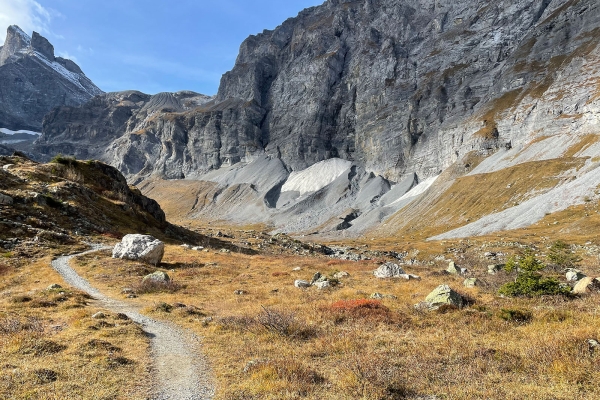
x: 149, y: 45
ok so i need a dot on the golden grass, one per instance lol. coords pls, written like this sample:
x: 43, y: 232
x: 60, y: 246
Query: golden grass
x: 51, y: 348
x: 465, y: 354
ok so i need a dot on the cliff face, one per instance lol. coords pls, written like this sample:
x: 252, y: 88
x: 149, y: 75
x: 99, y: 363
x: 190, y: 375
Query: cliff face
x: 33, y: 81
x: 400, y: 90
x: 397, y: 86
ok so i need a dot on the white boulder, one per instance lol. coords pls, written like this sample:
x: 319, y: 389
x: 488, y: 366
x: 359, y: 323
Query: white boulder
x: 389, y: 270
x: 143, y: 248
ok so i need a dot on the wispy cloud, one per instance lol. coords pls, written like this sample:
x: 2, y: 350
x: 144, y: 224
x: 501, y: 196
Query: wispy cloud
x: 28, y: 14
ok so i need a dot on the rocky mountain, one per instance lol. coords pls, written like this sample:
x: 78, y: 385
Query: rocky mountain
x: 384, y: 95
x: 33, y: 81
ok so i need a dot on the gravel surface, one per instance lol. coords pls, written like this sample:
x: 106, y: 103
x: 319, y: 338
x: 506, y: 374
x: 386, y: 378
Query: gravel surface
x: 180, y: 371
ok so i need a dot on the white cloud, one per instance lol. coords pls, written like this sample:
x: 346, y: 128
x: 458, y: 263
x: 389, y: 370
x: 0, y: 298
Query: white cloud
x: 29, y: 15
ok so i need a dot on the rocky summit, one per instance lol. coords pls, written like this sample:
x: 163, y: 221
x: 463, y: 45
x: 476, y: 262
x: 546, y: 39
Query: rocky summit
x: 385, y: 94
x: 33, y: 81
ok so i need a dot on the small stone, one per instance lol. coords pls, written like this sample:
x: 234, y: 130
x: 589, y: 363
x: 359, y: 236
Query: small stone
x: 127, y: 291
x: 317, y: 277
x: 54, y: 286
x: 470, y: 282
x: 226, y: 251
x: 341, y: 274
x: 158, y: 276
x: 493, y: 269
x: 240, y: 292
x: 452, y: 268
x: 297, y: 269
x: 207, y: 321
x: 574, y: 275
x: 99, y: 315
x: 197, y: 248
x: 186, y: 246
x: 409, y: 277
x: 376, y: 296
x: 299, y: 283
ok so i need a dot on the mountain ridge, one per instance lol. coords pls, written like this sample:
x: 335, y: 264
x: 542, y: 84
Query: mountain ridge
x: 33, y: 81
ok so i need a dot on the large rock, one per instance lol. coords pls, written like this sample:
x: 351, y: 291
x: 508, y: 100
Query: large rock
x: 143, y: 248
x: 443, y: 295
x: 389, y: 270
x: 587, y: 285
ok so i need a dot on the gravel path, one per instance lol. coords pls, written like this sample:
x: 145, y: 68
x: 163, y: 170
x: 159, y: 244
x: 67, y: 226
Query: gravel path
x: 181, y: 373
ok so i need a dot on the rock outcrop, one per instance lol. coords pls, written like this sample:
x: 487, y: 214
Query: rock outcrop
x: 33, y: 81
x: 137, y: 247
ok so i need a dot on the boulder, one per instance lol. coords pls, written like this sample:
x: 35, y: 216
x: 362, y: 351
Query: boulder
x: 389, y: 270
x: 158, y: 276
x: 587, y: 285
x: 5, y: 200
x: 299, y: 283
x: 442, y: 295
x: 574, y: 275
x: 452, y: 269
x: 137, y: 247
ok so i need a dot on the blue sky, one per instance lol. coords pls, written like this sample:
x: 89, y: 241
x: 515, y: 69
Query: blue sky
x: 150, y: 45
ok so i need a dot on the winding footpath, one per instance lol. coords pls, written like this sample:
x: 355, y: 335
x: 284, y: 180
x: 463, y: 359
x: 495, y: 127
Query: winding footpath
x: 181, y: 373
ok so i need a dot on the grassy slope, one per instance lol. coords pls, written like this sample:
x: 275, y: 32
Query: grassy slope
x: 371, y: 354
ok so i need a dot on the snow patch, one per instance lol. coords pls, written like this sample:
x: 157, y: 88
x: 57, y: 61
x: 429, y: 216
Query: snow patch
x: 70, y: 76
x: 316, y: 176
x: 9, y: 132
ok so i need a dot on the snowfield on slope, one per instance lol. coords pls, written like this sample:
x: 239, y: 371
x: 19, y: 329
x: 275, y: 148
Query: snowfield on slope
x: 316, y: 176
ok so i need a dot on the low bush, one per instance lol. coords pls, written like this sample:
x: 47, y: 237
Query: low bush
x: 284, y: 324
x: 361, y: 309
x: 529, y: 282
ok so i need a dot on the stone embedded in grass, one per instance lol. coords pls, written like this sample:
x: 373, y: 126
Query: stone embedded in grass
x: 340, y: 275
x: 299, y: 283
x: 318, y: 277
x: 158, y: 277
x: 470, y: 282
x: 240, y: 292
x: 574, y: 275
x: 99, y: 315
x: 197, y: 248
x: 137, y: 247
x: 389, y: 270
x: 54, y: 286
x: 322, y: 285
x: 297, y: 269
x: 443, y: 295
x: 454, y: 270
x: 409, y: 277
x: 494, y: 269
x: 587, y: 285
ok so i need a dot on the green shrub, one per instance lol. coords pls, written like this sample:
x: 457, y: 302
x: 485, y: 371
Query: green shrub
x: 561, y: 255
x: 64, y: 160
x: 529, y: 281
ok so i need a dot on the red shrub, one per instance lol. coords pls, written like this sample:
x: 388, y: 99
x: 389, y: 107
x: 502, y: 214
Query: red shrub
x: 371, y: 310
